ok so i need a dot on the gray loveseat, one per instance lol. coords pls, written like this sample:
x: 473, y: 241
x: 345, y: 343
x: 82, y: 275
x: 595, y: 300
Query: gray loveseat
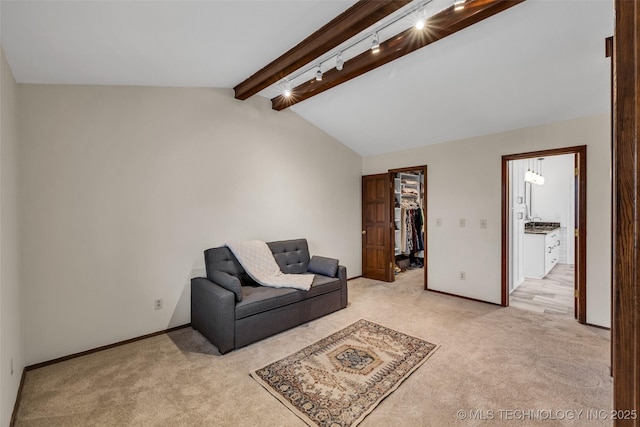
x: 231, y: 310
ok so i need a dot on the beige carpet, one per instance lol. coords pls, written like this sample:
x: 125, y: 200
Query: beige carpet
x: 490, y: 359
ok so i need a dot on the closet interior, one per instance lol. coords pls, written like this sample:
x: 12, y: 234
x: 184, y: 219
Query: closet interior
x: 409, y: 220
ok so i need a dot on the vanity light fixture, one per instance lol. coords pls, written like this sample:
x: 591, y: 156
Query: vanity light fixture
x: 529, y: 176
x: 540, y: 180
x: 536, y: 172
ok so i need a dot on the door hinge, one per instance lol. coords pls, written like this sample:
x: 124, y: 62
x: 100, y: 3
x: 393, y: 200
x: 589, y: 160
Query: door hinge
x: 576, y: 232
x: 576, y: 171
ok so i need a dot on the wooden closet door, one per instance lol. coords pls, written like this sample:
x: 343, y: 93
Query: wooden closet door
x: 377, y: 246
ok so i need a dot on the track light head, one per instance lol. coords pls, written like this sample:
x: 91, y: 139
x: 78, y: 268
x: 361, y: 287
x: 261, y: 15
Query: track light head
x: 286, y: 88
x: 375, y: 43
x: 339, y: 62
x: 318, y: 74
x: 458, y: 4
x: 420, y: 23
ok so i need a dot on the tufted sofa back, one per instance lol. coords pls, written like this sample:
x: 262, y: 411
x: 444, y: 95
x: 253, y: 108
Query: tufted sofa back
x: 222, y: 259
x: 292, y: 257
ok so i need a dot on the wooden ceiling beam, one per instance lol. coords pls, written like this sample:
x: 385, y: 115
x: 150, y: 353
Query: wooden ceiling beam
x: 438, y: 27
x: 357, y: 18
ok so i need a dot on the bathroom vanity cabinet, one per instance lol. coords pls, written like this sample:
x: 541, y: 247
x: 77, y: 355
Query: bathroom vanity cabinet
x: 541, y: 250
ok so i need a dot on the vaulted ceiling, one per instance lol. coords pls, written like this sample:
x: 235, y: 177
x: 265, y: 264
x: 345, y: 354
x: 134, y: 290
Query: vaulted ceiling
x: 538, y: 62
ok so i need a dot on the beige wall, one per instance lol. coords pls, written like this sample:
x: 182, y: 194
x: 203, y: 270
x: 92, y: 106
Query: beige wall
x: 11, y: 337
x: 122, y: 188
x: 464, y: 181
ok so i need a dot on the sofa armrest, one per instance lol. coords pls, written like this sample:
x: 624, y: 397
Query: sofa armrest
x: 213, y: 313
x: 342, y: 275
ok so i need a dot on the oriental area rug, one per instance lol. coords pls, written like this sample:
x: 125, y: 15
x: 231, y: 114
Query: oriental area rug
x: 340, y: 379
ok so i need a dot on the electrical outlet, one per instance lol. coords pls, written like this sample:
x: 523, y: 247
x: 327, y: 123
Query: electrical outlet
x: 463, y: 275
x: 483, y: 223
x: 463, y: 222
x: 438, y: 222
x: 158, y: 303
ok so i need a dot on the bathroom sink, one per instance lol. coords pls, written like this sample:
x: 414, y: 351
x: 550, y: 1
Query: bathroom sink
x: 540, y: 227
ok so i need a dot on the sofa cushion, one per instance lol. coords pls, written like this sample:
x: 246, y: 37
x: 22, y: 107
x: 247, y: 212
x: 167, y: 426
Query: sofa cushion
x: 229, y: 282
x: 258, y: 299
x: 323, y: 265
x: 262, y: 298
x: 322, y: 285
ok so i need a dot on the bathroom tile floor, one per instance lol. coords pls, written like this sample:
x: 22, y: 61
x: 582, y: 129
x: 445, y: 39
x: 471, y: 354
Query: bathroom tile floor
x: 551, y: 295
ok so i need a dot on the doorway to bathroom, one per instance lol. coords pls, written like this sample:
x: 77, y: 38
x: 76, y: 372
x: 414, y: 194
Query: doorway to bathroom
x: 544, y: 231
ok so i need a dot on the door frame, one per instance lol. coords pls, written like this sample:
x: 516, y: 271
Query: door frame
x: 424, y: 205
x: 625, y: 298
x: 580, y: 253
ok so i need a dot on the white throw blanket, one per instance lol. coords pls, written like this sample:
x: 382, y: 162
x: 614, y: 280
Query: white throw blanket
x: 258, y: 261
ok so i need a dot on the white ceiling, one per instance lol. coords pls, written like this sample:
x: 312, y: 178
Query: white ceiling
x: 538, y: 62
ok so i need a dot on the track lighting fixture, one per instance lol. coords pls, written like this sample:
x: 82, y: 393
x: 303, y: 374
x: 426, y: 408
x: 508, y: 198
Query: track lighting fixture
x: 339, y: 62
x: 375, y: 43
x: 458, y: 4
x: 421, y: 20
x: 393, y: 29
x: 419, y: 11
x: 285, y: 85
